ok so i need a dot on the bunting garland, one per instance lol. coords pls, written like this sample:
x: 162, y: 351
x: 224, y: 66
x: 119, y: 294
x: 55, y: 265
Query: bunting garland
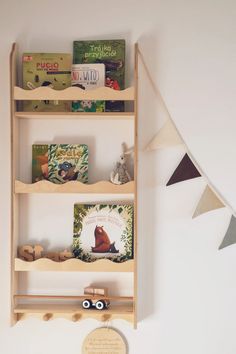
x: 187, y: 169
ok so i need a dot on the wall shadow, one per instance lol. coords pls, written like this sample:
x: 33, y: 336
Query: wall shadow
x: 152, y: 115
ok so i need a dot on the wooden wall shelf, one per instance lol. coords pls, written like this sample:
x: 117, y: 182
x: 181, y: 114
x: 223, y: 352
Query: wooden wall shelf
x: 102, y: 187
x: 74, y: 93
x: 74, y: 313
x: 73, y: 265
x: 126, y: 310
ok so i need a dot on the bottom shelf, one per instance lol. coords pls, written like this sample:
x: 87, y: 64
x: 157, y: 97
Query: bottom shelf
x: 74, y: 313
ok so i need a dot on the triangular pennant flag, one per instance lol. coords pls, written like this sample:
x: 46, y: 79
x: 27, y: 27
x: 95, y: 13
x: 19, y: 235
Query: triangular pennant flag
x: 185, y: 170
x: 166, y: 136
x: 230, y: 236
x: 209, y: 201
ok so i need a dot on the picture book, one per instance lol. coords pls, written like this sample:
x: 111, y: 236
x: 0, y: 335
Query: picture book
x: 39, y: 162
x: 103, y: 231
x: 48, y: 70
x: 67, y: 162
x: 87, y: 77
x: 112, y: 54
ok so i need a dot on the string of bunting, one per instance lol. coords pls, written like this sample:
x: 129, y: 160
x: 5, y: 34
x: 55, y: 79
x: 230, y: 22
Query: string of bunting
x: 188, y: 168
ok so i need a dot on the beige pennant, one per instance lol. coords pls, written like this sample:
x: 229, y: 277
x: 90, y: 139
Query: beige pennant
x: 166, y: 136
x: 209, y: 201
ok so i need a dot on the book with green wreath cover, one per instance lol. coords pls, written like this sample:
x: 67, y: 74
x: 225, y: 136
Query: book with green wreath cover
x: 60, y: 163
x: 112, y: 54
x: 103, y: 231
x: 67, y: 162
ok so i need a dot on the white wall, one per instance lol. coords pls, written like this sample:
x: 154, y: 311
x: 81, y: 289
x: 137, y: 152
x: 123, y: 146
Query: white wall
x: 187, y: 287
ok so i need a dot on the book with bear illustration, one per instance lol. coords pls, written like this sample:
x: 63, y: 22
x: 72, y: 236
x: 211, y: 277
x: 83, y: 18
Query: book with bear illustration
x: 47, y: 70
x: 60, y: 163
x: 103, y: 231
x: 112, y: 54
x: 88, y: 77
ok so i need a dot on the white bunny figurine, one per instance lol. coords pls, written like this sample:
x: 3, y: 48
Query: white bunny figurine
x: 120, y: 174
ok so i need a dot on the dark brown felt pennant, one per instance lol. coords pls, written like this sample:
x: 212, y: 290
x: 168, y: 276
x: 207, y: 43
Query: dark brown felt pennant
x: 185, y: 170
x: 230, y: 236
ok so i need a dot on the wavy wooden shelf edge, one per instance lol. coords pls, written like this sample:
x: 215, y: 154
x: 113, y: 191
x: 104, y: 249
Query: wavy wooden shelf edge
x: 74, y: 265
x: 74, y: 93
x: 101, y: 187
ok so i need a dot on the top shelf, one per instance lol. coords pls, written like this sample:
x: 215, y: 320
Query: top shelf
x: 74, y: 93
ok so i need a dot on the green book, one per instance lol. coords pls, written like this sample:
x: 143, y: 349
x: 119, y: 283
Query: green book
x: 39, y: 162
x: 112, y: 54
x: 67, y: 162
x: 47, y: 70
x: 103, y: 231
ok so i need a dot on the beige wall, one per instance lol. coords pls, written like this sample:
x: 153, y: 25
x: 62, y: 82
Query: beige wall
x: 187, y: 287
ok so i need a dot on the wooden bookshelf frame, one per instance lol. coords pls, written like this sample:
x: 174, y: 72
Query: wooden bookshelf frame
x: 127, y: 312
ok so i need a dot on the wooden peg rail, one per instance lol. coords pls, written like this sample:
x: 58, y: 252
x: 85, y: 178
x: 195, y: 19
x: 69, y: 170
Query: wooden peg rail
x: 75, y: 313
x: 121, y: 307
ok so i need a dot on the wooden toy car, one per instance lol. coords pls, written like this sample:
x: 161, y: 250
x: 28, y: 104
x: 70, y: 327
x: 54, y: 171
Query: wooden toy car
x: 98, y: 298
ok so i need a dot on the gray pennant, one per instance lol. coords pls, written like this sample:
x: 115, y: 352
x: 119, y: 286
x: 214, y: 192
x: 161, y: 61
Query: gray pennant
x: 230, y: 236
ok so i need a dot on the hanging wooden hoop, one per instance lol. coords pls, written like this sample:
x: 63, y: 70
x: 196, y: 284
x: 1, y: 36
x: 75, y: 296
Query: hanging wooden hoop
x: 104, y: 341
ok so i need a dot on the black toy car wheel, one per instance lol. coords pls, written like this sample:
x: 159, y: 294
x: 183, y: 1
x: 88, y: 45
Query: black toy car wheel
x: 100, y: 305
x: 86, y: 304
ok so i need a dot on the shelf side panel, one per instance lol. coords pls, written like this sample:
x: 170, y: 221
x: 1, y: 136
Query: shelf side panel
x: 135, y: 182
x: 14, y: 197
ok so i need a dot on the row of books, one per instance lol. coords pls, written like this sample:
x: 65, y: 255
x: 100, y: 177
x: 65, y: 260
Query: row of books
x: 100, y: 230
x: 60, y: 163
x: 95, y: 63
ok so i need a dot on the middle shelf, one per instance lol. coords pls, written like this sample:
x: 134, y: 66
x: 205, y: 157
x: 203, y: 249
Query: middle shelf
x: 101, y: 187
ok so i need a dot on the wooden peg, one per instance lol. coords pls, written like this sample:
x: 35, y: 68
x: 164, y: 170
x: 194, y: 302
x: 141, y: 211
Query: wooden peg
x: 47, y: 316
x: 54, y: 256
x: 20, y: 316
x: 76, y: 317
x: 26, y: 253
x: 38, y: 250
x: 65, y: 255
x: 106, y: 317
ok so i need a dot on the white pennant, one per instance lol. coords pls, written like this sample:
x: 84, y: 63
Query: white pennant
x: 209, y: 201
x: 166, y: 136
